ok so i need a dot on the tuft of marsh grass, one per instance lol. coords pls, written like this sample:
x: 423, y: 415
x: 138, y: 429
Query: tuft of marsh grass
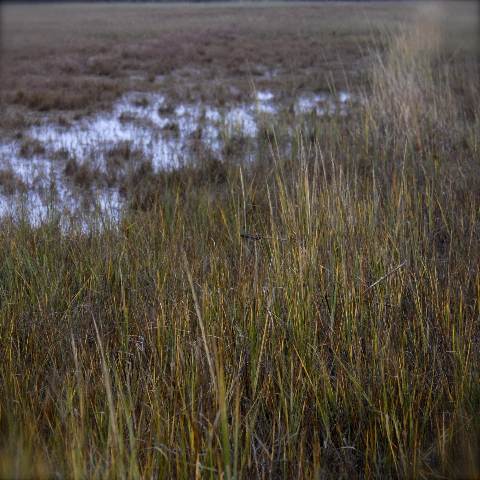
x: 307, y: 314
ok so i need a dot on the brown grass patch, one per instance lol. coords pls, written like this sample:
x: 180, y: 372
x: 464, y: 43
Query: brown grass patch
x: 31, y: 147
x: 10, y: 182
x: 83, y: 175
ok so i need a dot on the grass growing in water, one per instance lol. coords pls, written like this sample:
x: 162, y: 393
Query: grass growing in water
x: 338, y: 336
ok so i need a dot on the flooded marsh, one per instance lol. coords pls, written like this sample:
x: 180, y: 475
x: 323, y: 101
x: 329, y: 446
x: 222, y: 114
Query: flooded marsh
x: 92, y: 156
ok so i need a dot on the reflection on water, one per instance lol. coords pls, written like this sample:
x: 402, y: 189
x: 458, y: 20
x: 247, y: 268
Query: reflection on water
x: 145, y: 122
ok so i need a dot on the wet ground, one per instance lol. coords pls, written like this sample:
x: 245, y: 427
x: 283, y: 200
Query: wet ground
x: 69, y: 166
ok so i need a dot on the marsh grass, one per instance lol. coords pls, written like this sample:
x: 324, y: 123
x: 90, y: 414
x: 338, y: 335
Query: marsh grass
x: 73, y: 57
x: 308, y: 315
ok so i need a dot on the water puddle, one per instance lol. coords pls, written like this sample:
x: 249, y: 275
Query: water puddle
x: 323, y: 104
x: 52, y: 165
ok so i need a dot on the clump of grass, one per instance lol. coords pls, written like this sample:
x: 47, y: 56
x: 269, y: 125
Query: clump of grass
x: 313, y: 314
x: 31, y: 147
x: 127, y: 116
x: 103, y: 65
x: 10, y: 182
x: 60, y: 154
x: 172, y: 128
x: 15, y: 121
x: 166, y: 109
x: 83, y: 175
x: 121, y: 152
x: 141, y: 102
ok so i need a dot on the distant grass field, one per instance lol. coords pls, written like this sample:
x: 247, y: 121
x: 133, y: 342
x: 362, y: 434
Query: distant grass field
x: 81, y: 57
x: 311, y: 312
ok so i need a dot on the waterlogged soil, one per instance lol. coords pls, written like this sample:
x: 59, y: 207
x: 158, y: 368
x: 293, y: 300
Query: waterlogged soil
x: 77, y: 165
